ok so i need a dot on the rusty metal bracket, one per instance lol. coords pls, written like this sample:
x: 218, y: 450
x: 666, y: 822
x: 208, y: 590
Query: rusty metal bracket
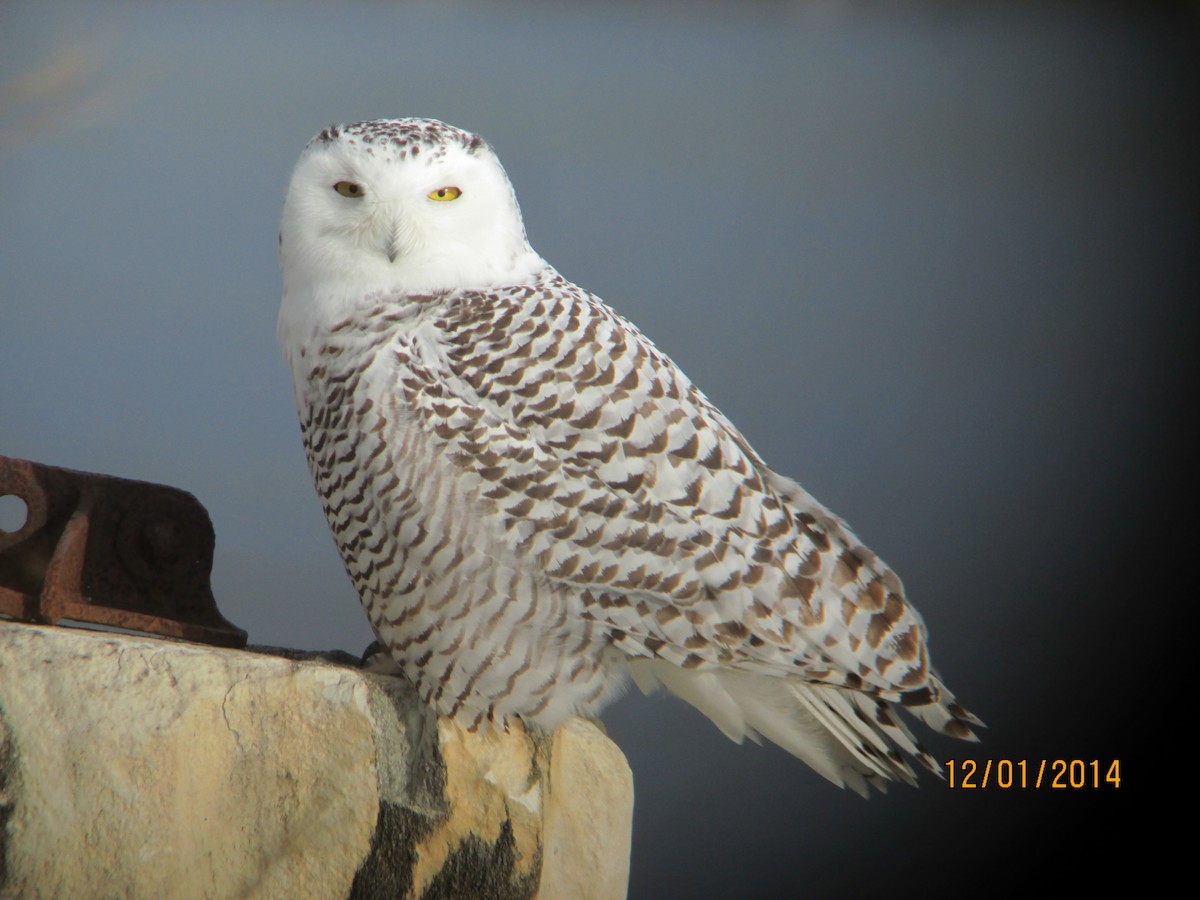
x: 110, y: 551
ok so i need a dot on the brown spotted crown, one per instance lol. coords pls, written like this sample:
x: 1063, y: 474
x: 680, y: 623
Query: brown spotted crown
x: 402, y: 138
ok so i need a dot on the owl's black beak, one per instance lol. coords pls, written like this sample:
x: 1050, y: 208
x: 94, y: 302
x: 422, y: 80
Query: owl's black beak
x: 392, y: 246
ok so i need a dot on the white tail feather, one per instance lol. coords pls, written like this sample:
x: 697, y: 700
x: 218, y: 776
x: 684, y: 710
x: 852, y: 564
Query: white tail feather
x: 851, y: 738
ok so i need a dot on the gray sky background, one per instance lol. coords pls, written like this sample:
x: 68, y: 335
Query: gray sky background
x: 935, y: 262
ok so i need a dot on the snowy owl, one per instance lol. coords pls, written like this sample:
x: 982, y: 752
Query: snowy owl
x: 535, y: 504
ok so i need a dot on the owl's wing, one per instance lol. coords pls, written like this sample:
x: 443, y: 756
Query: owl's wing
x: 629, y: 485
x: 625, y: 483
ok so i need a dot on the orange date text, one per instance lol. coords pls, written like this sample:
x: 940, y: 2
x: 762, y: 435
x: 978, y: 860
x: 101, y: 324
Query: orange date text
x: 1037, y: 774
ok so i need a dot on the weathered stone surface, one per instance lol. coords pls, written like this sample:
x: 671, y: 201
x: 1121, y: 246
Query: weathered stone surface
x: 143, y: 768
x: 585, y: 851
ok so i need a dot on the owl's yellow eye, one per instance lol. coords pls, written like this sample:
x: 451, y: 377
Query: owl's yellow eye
x: 350, y: 189
x: 445, y: 193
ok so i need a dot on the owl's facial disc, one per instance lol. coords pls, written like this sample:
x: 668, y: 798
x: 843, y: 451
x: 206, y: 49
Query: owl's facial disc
x: 396, y: 207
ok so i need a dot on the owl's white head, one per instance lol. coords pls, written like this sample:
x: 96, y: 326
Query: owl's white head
x: 395, y: 206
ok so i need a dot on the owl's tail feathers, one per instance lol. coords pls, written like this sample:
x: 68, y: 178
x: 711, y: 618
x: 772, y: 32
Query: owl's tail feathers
x: 936, y: 707
x: 851, y: 738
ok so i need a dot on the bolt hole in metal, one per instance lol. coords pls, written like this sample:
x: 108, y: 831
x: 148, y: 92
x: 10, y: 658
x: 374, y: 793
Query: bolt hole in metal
x: 13, y: 514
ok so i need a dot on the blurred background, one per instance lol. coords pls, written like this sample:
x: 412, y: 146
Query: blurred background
x: 936, y: 260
